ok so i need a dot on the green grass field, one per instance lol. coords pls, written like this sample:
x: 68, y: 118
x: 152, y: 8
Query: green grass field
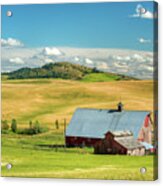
x: 29, y: 160
x: 47, y: 100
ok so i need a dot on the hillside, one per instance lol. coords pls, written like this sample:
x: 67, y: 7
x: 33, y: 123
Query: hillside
x: 48, y: 100
x: 65, y: 70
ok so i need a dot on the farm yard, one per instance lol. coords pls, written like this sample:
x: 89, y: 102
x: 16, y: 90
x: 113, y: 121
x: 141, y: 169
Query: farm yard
x: 48, y: 100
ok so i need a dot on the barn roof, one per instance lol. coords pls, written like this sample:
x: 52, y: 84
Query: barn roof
x: 147, y: 145
x: 122, y: 133
x: 128, y: 142
x: 125, y: 138
x: 95, y: 123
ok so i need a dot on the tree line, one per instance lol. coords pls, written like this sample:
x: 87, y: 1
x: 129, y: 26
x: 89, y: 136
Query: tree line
x: 63, y: 70
x: 32, y: 129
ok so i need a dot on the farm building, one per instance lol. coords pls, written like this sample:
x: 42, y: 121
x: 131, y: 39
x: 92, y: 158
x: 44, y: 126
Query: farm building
x: 119, y: 142
x: 89, y: 126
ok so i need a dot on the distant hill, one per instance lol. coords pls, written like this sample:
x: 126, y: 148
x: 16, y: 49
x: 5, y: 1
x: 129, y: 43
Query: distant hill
x: 65, y: 70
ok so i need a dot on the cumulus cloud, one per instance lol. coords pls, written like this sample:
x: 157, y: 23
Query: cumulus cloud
x: 103, y: 66
x: 144, y: 41
x: 76, y: 58
x: 48, y: 60
x: 121, y: 65
x: 52, y: 51
x: 141, y: 12
x: 11, y: 42
x: 16, y: 60
x: 150, y: 68
x: 88, y: 61
x: 128, y: 62
x: 138, y: 57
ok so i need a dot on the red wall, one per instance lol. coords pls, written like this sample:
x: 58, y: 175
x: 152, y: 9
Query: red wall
x: 145, y: 134
x: 80, y: 141
x: 109, y: 143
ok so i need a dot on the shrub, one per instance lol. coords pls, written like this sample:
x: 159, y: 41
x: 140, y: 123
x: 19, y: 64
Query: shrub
x: 37, y: 127
x: 4, y: 131
x: 27, y: 131
x: 32, y: 130
x: 4, y: 125
x: 14, y: 125
x: 30, y: 124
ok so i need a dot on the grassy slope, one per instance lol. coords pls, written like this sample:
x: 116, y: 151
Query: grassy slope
x: 47, y: 100
x: 99, y: 77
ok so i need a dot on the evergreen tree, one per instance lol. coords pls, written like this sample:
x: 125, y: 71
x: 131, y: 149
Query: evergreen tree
x: 57, y: 124
x: 14, y: 125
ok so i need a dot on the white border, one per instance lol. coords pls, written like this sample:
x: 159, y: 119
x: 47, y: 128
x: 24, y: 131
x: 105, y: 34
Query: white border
x: 10, y: 2
x: 61, y: 182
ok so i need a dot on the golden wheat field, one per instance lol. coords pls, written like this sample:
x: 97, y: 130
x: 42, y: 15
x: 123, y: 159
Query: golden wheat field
x: 48, y: 100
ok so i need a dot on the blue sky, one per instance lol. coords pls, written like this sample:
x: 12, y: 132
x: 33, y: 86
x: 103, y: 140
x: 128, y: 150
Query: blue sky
x: 90, y: 25
x: 112, y: 37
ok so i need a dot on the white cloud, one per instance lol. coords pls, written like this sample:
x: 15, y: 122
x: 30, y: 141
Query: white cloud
x: 127, y: 58
x: 141, y: 12
x: 51, y: 51
x: 76, y: 58
x: 11, y: 42
x: 138, y: 57
x: 128, y: 62
x: 120, y: 65
x: 144, y: 41
x: 16, y: 60
x: 119, y: 58
x: 147, y: 15
x: 48, y: 60
x: 150, y: 68
x: 103, y: 66
x: 88, y: 61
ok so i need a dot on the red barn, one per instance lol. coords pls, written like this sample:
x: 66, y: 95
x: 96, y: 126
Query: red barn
x: 119, y: 142
x: 89, y: 126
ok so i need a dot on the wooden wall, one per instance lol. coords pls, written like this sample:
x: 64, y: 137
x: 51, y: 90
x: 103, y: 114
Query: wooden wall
x: 80, y: 141
x: 145, y: 134
x: 109, y: 146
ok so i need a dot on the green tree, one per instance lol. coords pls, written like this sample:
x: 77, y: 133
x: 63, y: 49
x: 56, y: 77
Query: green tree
x: 57, y: 124
x: 30, y: 124
x: 14, y: 125
x: 37, y: 127
x: 95, y: 70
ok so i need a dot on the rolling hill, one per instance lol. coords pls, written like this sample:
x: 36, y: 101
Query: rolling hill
x: 65, y: 70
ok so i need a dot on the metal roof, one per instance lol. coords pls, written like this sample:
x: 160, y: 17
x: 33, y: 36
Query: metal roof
x: 122, y: 133
x: 147, y: 145
x: 128, y: 142
x: 95, y: 123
